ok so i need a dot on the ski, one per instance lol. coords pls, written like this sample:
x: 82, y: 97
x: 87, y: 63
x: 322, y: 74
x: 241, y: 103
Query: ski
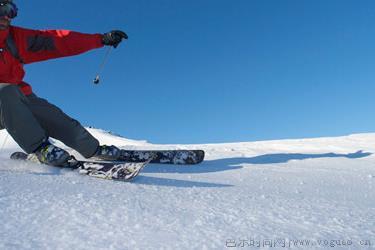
x: 180, y: 157
x: 124, y: 171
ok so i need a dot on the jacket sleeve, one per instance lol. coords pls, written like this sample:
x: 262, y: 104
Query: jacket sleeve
x: 40, y: 45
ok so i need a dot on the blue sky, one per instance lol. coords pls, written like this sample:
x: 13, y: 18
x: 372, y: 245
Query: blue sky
x: 214, y: 70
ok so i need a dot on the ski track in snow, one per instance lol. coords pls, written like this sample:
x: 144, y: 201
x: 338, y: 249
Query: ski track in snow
x: 309, y: 189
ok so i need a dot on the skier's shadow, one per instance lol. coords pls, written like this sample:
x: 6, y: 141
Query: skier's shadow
x: 167, y: 182
x: 218, y: 166
x: 235, y: 163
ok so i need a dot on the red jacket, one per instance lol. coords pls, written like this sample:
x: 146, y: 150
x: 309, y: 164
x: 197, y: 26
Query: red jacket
x: 40, y: 45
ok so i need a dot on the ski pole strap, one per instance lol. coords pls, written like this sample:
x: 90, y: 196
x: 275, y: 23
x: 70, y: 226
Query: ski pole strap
x: 97, y: 78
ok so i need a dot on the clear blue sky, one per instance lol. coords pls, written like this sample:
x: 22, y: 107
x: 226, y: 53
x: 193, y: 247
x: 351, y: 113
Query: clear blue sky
x: 215, y: 70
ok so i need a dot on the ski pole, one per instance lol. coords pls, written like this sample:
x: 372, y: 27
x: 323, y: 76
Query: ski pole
x: 5, y: 141
x: 97, y: 78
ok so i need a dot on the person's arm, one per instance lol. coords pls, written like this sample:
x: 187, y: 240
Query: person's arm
x: 40, y: 45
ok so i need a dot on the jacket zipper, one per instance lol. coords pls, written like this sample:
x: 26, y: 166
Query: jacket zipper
x: 2, y: 55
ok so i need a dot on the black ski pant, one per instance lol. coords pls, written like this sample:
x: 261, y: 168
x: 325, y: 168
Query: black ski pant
x: 31, y: 120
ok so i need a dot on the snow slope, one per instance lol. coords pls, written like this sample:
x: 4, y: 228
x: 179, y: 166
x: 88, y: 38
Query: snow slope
x: 249, y: 195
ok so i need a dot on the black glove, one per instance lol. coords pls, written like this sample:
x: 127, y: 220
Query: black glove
x: 114, y: 38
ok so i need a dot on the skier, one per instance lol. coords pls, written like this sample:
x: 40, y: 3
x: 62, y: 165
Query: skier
x: 31, y: 120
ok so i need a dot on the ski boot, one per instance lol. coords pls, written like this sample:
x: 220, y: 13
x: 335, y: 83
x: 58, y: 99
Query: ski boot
x: 107, y: 153
x: 49, y: 154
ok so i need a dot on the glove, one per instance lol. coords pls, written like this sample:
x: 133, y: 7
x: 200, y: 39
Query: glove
x: 114, y: 38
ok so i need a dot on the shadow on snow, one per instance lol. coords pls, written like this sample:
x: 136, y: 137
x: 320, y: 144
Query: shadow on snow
x: 235, y: 163
x: 155, y: 181
x: 218, y: 166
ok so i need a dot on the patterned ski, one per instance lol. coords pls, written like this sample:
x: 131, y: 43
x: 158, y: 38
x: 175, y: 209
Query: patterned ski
x: 181, y: 157
x: 124, y: 171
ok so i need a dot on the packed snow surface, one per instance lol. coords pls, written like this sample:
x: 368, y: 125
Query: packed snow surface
x: 308, y: 193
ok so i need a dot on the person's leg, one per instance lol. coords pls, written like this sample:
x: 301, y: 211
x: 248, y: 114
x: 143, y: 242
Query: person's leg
x: 18, y: 120
x: 62, y: 127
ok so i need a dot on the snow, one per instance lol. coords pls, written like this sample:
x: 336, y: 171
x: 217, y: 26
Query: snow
x: 248, y: 195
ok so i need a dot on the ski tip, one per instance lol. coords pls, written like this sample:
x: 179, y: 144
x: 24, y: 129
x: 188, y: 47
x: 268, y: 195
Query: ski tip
x: 200, y: 156
x: 18, y: 156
